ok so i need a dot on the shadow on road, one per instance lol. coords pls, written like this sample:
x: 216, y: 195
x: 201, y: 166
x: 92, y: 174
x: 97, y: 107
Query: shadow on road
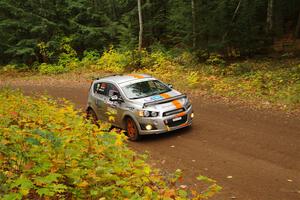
x: 166, y: 136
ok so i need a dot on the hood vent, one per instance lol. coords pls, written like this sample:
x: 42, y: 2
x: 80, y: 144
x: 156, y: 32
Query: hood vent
x: 173, y: 112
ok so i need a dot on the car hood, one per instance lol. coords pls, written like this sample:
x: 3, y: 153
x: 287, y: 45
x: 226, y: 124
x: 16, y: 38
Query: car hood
x: 168, y: 105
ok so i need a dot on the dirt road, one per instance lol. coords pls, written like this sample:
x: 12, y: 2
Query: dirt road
x: 252, y: 154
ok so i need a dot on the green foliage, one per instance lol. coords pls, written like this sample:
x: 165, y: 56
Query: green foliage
x: 193, y: 79
x: 52, y: 69
x: 89, y: 60
x: 212, y: 189
x: 9, y: 68
x: 67, y: 59
x: 68, y: 54
x: 179, y: 22
x: 216, y: 59
x: 113, y: 61
x: 50, y: 151
x: 186, y: 59
x: 239, y: 69
x: 162, y: 66
x: 90, y: 56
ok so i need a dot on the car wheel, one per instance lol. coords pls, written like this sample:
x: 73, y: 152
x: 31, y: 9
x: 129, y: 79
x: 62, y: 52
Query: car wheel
x: 91, y: 115
x: 132, y: 129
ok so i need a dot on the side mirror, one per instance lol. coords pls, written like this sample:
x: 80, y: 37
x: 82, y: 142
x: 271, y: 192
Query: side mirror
x: 170, y: 85
x: 115, y: 98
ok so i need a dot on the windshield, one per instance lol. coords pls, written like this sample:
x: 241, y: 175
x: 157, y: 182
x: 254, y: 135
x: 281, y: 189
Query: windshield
x: 145, y: 89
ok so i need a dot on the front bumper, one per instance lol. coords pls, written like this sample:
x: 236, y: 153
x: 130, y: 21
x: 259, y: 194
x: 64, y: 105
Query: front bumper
x: 165, y: 124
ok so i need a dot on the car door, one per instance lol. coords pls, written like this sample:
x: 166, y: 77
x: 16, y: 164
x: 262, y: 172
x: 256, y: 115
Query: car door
x: 100, y: 99
x: 115, y: 109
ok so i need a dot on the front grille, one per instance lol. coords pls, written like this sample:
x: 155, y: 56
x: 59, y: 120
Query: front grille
x: 172, y: 123
x: 173, y: 112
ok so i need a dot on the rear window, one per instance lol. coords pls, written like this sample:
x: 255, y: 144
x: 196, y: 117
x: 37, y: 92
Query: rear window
x: 100, y: 88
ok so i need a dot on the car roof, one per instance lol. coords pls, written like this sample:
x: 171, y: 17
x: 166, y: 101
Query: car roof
x: 123, y: 78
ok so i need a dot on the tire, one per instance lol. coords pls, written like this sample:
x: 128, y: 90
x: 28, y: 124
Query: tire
x: 132, y: 129
x: 91, y: 115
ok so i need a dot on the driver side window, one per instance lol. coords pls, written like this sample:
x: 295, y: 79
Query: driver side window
x: 112, y: 90
x: 106, y: 89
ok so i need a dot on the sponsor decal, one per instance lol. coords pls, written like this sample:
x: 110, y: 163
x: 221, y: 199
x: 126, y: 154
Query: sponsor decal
x: 156, y: 98
x: 136, y: 75
x: 176, y: 103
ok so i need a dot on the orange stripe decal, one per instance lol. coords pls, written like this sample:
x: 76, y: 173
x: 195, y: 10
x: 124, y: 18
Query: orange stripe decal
x: 165, y: 95
x: 136, y: 75
x: 176, y: 103
x: 185, y: 124
x: 180, y: 114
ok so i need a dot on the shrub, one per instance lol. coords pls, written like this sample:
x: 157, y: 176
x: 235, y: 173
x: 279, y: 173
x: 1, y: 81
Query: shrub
x: 65, y: 59
x: 49, y: 151
x: 293, y: 95
x: 156, y: 58
x: 186, y: 58
x: 68, y: 58
x: 51, y: 69
x: 9, y: 68
x: 216, y: 59
x: 193, y: 79
x: 90, y: 56
x: 113, y: 61
x: 237, y: 69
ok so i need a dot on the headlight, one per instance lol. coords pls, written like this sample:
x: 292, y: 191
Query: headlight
x: 154, y: 114
x: 187, y: 103
x: 146, y: 113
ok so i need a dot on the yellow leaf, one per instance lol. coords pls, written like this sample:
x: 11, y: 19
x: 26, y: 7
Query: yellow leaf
x: 74, y: 163
x: 83, y: 184
x: 5, y: 142
x: 118, y: 140
x: 2, y: 157
x: 24, y: 191
x: 92, y: 174
x: 111, y: 118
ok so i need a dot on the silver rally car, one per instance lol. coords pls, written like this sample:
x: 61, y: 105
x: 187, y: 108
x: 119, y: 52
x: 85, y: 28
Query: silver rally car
x: 138, y: 103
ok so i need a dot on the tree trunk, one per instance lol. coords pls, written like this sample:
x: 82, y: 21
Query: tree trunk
x: 141, y: 25
x: 232, y: 19
x: 270, y: 16
x: 113, y: 9
x: 236, y: 11
x: 194, y: 23
x: 297, y: 32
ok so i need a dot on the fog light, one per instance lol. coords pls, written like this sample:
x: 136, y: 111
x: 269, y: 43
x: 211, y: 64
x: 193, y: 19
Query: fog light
x: 149, y: 127
x: 192, y: 115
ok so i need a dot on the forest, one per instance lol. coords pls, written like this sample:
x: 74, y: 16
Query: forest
x: 232, y: 28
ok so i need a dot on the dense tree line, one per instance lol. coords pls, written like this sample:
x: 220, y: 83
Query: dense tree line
x: 27, y: 28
